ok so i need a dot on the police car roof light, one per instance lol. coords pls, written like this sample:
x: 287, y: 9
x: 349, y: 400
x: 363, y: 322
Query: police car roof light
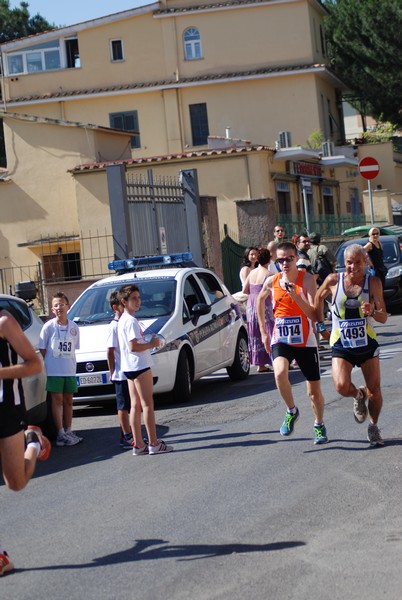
x: 143, y: 262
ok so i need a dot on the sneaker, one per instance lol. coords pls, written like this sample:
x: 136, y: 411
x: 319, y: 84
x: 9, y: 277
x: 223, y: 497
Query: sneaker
x: 374, y: 436
x: 66, y: 440
x: 126, y: 442
x: 289, y: 422
x: 320, y: 434
x: 34, y: 434
x: 137, y: 451
x: 359, y: 407
x: 74, y: 436
x: 5, y: 563
x: 160, y: 448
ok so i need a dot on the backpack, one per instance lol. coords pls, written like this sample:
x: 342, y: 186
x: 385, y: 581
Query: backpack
x: 322, y: 267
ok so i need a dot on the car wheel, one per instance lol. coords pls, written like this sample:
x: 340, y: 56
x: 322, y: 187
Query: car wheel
x: 241, y: 364
x: 182, y: 385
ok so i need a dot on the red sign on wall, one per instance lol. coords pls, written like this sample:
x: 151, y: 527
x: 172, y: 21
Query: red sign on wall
x: 369, y: 167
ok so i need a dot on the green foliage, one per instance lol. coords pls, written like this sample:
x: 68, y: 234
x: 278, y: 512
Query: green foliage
x: 364, y: 47
x: 17, y: 22
x: 382, y: 132
x: 315, y: 139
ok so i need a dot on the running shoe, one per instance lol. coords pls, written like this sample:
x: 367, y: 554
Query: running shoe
x: 74, y: 436
x: 34, y: 434
x: 359, y: 407
x: 65, y: 440
x: 126, y: 442
x: 289, y: 423
x: 5, y: 563
x: 137, y: 451
x: 160, y: 448
x: 374, y: 436
x: 320, y: 434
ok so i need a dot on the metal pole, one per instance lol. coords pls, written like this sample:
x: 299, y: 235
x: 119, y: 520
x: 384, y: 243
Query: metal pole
x: 306, y: 215
x: 371, y: 202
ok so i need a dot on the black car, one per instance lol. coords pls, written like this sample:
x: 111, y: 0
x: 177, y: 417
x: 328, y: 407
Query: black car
x: 392, y: 260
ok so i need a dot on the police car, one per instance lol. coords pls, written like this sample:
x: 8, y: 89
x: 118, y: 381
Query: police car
x: 188, y: 306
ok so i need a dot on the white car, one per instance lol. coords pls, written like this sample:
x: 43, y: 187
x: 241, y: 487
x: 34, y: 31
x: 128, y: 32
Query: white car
x: 35, y: 385
x: 189, y: 306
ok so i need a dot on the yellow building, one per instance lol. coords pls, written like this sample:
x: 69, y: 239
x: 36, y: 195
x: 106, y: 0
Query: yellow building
x: 189, y: 82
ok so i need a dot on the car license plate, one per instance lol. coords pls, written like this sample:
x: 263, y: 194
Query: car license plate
x: 92, y: 379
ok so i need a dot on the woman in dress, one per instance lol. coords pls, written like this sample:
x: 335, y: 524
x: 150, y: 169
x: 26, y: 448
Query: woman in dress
x: 249, y: 263
x: 253, y: 285
x: 376, y: 255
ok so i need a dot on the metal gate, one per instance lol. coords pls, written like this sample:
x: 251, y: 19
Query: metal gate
x: 157, y: 214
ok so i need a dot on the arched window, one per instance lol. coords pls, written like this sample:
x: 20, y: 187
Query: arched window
x: 192, y: 44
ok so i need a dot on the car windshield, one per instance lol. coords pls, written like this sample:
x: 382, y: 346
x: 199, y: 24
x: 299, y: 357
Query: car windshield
x: 390, y: 249
x: 157, y: 300
x: 19, y: 310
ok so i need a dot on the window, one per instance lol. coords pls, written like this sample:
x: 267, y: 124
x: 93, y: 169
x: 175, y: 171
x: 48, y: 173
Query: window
x: 62, y: 267
x: 44, y: 57
x: 116, y: 50
x: 328, y: 200
x: 127, y: 121
x: 199, y: 124
x: 211, y: 286
x: 192, y: 44
x: 283, y: 195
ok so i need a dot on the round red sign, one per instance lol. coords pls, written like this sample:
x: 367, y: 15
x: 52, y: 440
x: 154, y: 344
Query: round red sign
x: 369, y: 167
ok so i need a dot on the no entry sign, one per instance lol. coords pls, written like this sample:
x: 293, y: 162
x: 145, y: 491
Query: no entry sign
x: 369, y: 167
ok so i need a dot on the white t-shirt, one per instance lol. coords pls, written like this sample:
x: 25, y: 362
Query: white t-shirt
x: 113, y: 342
x: 60, y: 343
x: 128, y: 330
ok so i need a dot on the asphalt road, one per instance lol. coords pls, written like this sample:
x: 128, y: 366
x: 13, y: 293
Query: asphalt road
x: 235, y: 511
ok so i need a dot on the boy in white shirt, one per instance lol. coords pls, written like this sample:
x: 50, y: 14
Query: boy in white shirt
x: 59, y: 339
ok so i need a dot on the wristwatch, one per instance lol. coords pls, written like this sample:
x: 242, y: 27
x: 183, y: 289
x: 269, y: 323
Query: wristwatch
x: 321, y: 326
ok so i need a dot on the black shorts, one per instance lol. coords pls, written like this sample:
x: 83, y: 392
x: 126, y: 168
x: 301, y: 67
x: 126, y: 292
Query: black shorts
x: 306, y: 357
x: 12, y: 419
x: 135, y: 374
x: 358, y: 357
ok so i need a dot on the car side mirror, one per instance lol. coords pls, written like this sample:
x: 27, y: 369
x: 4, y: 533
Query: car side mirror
x: 200, y: 309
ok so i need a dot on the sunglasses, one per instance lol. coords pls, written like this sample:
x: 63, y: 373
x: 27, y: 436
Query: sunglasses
x: 288, y: 259
x: 304, y: 241
x: 376, y: 233
x: 277, y: 230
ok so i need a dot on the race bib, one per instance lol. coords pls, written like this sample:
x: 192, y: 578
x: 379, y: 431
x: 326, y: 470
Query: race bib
x: 62, y: 348
x: 289, y: 330
x: 353, y: 333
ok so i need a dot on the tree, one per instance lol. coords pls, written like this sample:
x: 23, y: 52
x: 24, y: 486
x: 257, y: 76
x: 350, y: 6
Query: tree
x: 17, y: 22
x: 363, y: 39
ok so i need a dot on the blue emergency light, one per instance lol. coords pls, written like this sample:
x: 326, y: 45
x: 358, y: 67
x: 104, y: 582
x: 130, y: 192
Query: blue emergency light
x: 142, y: 262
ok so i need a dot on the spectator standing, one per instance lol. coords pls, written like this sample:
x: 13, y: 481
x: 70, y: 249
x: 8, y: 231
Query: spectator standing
x: 249, y: 263
x: 117, y: 376
x: 279, y: 234
x: 258, y: 354
x: 273, y: 266
x: 59, y: 339
x: 322, y: 260
x: 303, y: 260
x: 19, y: 451
x: 376, y: 255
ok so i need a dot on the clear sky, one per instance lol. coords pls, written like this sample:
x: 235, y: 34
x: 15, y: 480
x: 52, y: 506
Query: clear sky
x: 69, y: 12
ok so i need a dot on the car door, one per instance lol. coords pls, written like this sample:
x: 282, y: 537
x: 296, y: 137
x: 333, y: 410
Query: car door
x: 203, y: 330
x: 224, y: 316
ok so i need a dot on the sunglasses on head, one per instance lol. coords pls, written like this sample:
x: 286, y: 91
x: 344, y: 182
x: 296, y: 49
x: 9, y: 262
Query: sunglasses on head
x: 288, y: 259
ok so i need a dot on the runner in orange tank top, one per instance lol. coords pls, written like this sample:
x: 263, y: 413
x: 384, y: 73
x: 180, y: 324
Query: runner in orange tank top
x: 293, y: 337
